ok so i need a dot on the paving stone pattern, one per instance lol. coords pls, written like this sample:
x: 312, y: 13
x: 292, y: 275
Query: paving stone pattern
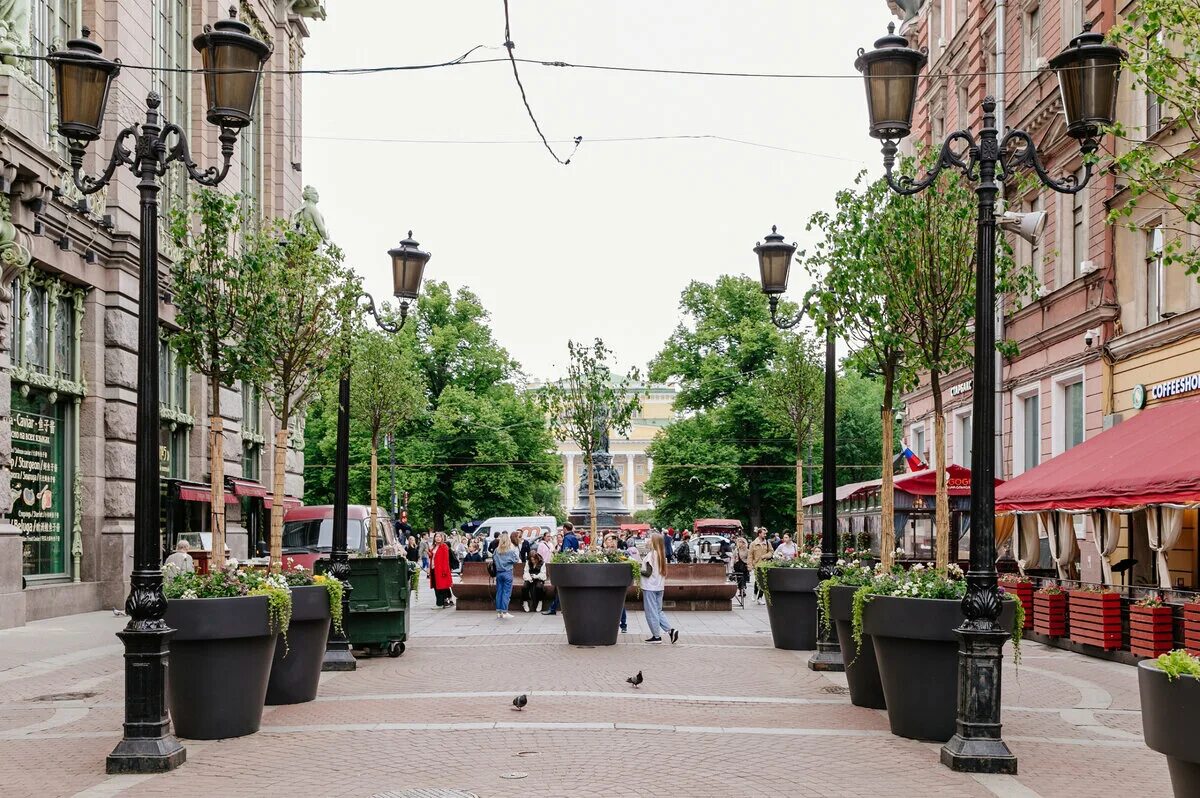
x: 721, y: 714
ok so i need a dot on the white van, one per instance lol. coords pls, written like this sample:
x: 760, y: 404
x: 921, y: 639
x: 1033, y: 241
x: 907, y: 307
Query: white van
x: 507, y: 524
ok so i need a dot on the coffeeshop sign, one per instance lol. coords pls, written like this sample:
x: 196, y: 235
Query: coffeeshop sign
x: 1143, y: 394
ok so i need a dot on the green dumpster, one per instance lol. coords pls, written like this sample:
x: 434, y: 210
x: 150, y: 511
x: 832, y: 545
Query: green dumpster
x: 378, y: 619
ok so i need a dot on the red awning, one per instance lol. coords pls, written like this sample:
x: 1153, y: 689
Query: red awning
x: 201, y: 493
x: 924, y: 483
x: 718, y: 523
x: 1149, y: 459
x: 289, y: 502
x: 247, y: 487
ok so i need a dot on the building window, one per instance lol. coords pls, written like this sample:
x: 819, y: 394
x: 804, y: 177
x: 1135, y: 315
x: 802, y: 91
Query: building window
x: 1079, y: 230
x: 938, y: 125
x: 960, y: 13
x: 1154, y: 274
x: 937, y: 33
x: 962, y: 431
x: 52, y: 23
x: 1031, y: 38
x: 252, y: 434
x: 175, y: 422
x: 964, y: 105
x: 1153, y: 113
x: 1027, y: 432
x: 918, y: 439
x: 252, y: 172
x: 1030, y: 253
x: 1073, y: 18
x: 1068, y: 412
x: 172, y: 57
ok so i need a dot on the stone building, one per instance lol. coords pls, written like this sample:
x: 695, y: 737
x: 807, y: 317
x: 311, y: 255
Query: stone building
x: 68, y: 299
x: 1108, y: 317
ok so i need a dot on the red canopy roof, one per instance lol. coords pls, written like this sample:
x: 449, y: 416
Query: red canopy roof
x: 719, y: 523
x: 1149, y: 459
x: 924, y: 483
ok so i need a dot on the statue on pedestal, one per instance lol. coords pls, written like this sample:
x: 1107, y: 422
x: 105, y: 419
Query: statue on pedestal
x: 308, y: 212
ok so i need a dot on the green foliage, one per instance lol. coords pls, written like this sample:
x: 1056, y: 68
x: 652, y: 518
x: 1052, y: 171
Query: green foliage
x: 1162, y: 172
x: 1178, y: 663
x: 859, y: 427
x: 386, y: 388
x: 596, y: 556
x: 794, y: 388
x: 230, y: 582
x: 298, y: 576
x: 846, y: 574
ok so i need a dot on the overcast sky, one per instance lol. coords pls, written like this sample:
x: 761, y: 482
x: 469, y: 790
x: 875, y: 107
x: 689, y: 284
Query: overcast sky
x: 604, y: 246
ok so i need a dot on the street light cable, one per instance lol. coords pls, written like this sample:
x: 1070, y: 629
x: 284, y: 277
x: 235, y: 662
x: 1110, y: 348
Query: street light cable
x: 508, y: 45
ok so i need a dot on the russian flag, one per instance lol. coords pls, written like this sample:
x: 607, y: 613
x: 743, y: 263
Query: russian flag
x: 914, y: 462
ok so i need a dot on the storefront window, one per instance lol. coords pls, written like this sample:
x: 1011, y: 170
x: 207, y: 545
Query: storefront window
x: 39, y: 474
x: 176, y: 421
x: 252, y: 437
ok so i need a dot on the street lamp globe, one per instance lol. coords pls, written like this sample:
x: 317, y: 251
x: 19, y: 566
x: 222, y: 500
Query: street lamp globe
x: 890, y: 72
x: 1088, y: 74
x: 774, y: 262
x: 83, y: 77
x: 408, y: 268
x: 232, y: 60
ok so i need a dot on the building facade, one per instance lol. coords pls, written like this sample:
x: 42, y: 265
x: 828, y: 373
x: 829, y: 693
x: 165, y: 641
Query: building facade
x: 1108, y: 317
x: 69, y: 297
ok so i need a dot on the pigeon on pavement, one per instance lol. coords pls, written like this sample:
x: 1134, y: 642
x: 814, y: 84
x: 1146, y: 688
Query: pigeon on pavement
x: 520, y: 701
x: 635, y: 680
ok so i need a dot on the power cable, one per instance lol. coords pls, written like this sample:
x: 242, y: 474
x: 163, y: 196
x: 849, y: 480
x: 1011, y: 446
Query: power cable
x: 508, y: 45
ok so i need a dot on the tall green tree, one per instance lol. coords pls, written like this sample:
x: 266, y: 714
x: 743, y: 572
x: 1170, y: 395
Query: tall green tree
x: 385, y: 393
x: 310, y: 301
x: 217, y: 279
x: 696, y: 473
x: 794, y: 398
x: 720, y: 354
x: 587, y: 405
x: 854, y: 287
x: 1162, y: 169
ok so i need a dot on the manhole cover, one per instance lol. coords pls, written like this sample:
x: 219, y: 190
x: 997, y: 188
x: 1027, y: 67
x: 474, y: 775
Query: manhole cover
x: 835, y: 690
x: 64, y: 696
x: 516, y: 774
x: 426, y: 792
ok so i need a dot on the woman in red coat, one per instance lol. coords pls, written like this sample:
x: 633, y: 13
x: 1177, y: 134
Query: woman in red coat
x: 439, y: 570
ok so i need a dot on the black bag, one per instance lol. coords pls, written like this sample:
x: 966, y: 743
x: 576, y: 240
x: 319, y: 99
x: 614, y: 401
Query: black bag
x: 453, y: 561
x: 647, y: 568
x: 491, y: 568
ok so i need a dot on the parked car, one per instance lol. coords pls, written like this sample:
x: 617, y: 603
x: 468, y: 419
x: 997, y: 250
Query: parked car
x: 707, y: 548
x: 308, y: 532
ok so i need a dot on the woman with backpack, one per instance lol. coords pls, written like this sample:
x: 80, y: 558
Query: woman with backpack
x: 654, y: 583
x: 503, y: 560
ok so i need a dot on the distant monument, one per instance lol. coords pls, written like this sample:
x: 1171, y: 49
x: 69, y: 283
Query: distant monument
x: 611, y: 511
x: 308, y: 212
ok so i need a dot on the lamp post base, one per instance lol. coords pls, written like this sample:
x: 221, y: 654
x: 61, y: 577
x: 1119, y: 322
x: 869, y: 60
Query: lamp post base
x: 338, y: 657
x: 148, y: 745
x: 146, y: 756
x: 976, y: 746
x: 828, y: 657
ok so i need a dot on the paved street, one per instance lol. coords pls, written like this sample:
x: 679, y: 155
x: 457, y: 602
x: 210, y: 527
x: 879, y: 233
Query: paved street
x: 721, y: 714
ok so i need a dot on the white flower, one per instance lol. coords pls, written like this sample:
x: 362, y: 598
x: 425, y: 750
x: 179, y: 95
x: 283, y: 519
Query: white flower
x: 841, y: 561
x: 298, y: 567
x: 189, y: 594
x: 918, y: 567
x: 231, y: 562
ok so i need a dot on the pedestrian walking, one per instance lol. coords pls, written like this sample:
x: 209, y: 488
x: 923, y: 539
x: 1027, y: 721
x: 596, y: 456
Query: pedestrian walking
x: 611, y: 542
x: 533, y: 589
x: 412, y: 552
x: 503, y: 560
x: 786, y: 550
x: 654, y: 582
x: 760, y: 550
x: 440, y: 577
x: 741, y: 564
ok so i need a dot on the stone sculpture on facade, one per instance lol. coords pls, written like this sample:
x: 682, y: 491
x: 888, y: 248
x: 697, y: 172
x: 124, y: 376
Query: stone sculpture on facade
x: 907, y: 10
x: 14, y: 29
x: 308, y: 212
x: 313, y: 9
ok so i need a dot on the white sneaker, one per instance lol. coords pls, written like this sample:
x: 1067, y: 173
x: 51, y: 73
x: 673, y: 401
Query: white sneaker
x: 505, y: 615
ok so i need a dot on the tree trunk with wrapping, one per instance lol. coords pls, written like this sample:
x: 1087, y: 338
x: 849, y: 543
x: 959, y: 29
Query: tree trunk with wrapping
x: 943, y: 535
x: 371, y: 536
x: 216, y: 469
x: 887, y: 492
x: 277, y: 505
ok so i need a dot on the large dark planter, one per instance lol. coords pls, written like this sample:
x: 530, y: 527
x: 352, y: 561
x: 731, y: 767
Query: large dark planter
x: 1171, y: 724
x: 792, y: 607
x: 862, y: 672
x: 917, y: 653
x: 592, y: 596
x: 219, y: 665
x: 296, y: 669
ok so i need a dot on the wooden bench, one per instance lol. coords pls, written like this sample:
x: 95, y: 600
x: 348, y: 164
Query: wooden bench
x: 477, y: 591
x: 692, y: 586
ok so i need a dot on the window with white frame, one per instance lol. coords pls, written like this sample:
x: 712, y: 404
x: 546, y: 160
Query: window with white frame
x: 964, y: 105
x: 1154, y: 274
x: 252, y: 432
x: 1068, y: 411
x: 1027, y: 430
x: 962, y: 439
x: 1079, y: 228
x: 937, y: 30
x: 960, y: 14
x: 1031, y: 41
x: 1072, y: 19
x: 170, y: 34
x: 918, y: 442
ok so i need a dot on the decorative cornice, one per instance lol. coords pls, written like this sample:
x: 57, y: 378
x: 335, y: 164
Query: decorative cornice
x: 57, y: 386
x: 1163, y: 333
x: 175, y: 417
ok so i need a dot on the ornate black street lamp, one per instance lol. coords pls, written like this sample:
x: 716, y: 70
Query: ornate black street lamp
x: 233, y: 62
x: 774, y: 264
x: 408, y: 268
x: 1088, y: 72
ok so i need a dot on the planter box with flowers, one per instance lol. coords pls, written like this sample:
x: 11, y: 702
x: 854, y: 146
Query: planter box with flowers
x: 1050, y: 611
x: 913, y: 619
x: 226, y: 625
x: 790, y: 588
x: 1191, y: 627
x: 316, y: 604
x: 1151, y: 627
x: 591, y: 586
x: 1022, y: 588
x: 1095, y: 617
x: 835, y: 597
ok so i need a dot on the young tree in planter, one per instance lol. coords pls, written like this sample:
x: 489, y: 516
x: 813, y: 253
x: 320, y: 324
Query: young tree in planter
x: 588, y: 405
x: 311, y: 302
x: 217, y: 284
x: 386, y: 391
x: 854, y: 286
x: 794, y: 396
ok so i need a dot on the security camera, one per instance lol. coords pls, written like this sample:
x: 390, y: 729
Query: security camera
x: 1090, y: 338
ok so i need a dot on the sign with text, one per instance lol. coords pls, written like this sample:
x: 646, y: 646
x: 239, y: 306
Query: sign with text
x: 38, y: 484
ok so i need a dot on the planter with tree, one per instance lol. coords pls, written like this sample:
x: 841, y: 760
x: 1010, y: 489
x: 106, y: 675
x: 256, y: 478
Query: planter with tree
x: 1169, y: 687
x: 226, y: 626
x: 296, y: 669
x: 584, y: 407
x: 912, y: 618
x: 1095, y: 617
x: 1050, y: 611
x: 790, y: 587
x: 835, y: 597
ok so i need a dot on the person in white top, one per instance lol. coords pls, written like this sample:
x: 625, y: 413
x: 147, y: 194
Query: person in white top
x: 786, y: 550
x: 544, y: 547
x: 654, y: 582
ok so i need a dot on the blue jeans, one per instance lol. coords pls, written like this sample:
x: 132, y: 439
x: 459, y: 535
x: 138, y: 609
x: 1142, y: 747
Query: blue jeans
x: 652, y: 603
x: 623, y: 623
x: 503, y: 590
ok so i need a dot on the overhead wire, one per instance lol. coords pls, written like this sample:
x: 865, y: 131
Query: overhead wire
x: 508, y: 45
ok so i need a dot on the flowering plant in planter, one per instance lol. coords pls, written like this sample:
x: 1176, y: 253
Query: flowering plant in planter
x: 848, y: 573
x: 805, y: 558
x: 1178, y: 663
x: 600, y: 556
x: 297, y: 575
x: 1153, y: 600
x: 232, y: 582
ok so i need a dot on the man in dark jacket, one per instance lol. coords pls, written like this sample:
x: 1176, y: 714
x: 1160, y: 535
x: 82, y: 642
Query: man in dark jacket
x: 570, y: 540
x: 669, y: 544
